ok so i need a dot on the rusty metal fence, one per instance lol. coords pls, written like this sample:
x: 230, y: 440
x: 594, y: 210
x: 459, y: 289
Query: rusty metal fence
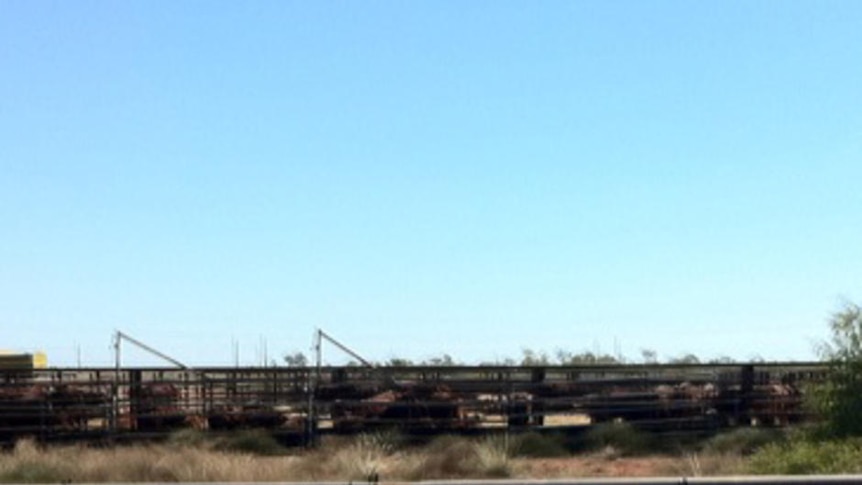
x: 105, y: 403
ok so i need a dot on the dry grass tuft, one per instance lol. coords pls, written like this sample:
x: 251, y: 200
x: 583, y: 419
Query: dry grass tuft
x: 26, y: 465
x: 192, y: 459
x: 367, y: 457
x: 30, y: 464
x: 493, y: 455
x: 444, y: 457
x: 706, y: 464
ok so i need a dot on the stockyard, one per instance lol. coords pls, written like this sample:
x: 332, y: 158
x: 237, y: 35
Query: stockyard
x: 302, y: 404
x: 367, y: 422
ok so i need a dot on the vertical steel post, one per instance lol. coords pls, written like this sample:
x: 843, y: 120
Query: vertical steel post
x: 115, y: 394
x: 313, y: 380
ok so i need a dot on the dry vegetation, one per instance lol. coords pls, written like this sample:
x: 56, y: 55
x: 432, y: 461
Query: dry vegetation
x: 191, y: 457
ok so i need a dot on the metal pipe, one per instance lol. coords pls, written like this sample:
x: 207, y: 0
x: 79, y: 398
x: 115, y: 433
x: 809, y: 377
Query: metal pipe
x: 148, y: 349
x: 729, y: 480
x: 344, y: 348
x: 313, y: 381
x: 115, y: 392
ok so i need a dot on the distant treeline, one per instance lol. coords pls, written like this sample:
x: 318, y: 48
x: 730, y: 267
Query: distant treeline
x: 531, y: 357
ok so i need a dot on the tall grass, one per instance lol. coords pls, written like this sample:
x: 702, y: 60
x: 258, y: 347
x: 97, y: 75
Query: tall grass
x: 191, y: 457
x: 247, y: 457
x: 28, y: 463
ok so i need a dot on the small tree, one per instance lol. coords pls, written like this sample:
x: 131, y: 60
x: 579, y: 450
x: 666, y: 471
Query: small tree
x: 530, y: 357
x: 398, y: 362
x: 722, y: 359
x: 444, y: 360
x: 296, y: 359
x: 565, y: 357
x: 649, y: 356
x: 685, y: 359
x: 838, y: 401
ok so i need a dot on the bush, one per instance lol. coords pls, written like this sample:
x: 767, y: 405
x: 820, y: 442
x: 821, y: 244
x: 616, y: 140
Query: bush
x: 444, y: 457
x: 387, y: 442
x: 536, y: 445
x: 838, y: 400
x: 622, y: 438
x: 493, y: 457
x: 189, y: 438
x: 742, y: 441
x: 253, y: 441
x: 449, y: 457
x: 808, y: 457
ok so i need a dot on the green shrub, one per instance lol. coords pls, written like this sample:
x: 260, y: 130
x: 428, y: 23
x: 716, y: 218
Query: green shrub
x: 253, y: 441
x: 387, y: 441
x: 742, y: 441
x: 620, y: 437
x: 836, y: 401
x: 808, y: 457
x: 190, y: 438
x: 536, y: 445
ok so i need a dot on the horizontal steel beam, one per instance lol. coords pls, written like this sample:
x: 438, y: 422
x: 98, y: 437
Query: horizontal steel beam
x: 729, y: 480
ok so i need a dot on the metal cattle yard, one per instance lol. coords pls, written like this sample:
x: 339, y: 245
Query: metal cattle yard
x: 298, y: 404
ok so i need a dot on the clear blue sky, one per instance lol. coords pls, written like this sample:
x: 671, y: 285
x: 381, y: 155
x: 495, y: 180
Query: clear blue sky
x: 425, y: 177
